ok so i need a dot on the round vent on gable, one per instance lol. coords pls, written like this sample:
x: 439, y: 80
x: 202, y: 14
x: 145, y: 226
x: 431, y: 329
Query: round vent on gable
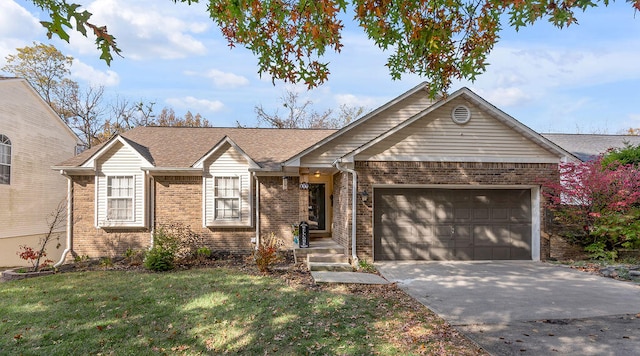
x: 461, y: 115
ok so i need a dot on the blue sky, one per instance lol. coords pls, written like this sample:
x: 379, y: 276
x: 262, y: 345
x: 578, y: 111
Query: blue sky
x: 581, y: 79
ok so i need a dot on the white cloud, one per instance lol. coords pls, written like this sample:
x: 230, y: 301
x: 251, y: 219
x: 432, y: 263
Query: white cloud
x: 222, y: 79
x: 356, y: 101
x: 504, y: 96
x: 93, y: 76
x: 146, y: 29
x: 18, y: 28
x: 195, y: 104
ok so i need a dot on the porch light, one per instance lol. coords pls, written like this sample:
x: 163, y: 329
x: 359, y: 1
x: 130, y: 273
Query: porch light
x: 317, y: 174
x: 364, y: 196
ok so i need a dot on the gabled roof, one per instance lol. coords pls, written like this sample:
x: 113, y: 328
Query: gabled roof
x: 226, y: 140
x: 141, y: 151
x: 36, y: 95
x: 293, y: 160
x: 490, y: 108
x: 182, y: 147
x: 588, y: 146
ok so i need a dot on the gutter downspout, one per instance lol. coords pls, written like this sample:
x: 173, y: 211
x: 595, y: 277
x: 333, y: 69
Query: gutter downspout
x: 354, y: 206
x: 69, y: 247
x: 257, y: 207
x: 152, y: 209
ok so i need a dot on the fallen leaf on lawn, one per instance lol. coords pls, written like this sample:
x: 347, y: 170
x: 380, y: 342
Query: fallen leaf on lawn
x: 17, y: 336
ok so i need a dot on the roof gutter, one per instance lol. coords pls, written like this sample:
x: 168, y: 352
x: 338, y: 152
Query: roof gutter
x: 354, y: 206
x: 69, y: 247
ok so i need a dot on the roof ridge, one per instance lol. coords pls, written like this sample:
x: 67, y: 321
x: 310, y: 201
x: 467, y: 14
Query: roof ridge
x: 236, y: 128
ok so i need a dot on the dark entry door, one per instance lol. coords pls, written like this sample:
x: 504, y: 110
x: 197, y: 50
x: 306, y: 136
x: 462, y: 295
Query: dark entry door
x: 317, y: 207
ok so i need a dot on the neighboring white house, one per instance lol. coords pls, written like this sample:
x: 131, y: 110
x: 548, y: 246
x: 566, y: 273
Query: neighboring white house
x: 32, y: 139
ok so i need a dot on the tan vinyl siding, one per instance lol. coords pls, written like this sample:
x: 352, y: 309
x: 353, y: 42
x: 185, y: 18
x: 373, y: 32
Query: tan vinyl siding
x: 368, y: 130
x: 437, y: 138
x: 120, y: 160
x: 39, y: 140
x: 227, y: 162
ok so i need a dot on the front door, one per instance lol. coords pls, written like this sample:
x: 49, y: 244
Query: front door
x: 317, y: 207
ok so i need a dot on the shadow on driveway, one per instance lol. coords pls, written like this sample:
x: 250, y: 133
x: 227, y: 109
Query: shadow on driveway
x: 526, y: 308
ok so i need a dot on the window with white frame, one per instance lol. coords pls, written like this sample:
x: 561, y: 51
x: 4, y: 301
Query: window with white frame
x: 120, y: 195
x: 227, y: 198
x: 5, y: 160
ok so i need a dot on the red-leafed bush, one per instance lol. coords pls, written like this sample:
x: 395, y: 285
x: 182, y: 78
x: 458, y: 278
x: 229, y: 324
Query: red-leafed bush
x: 597, y: 204
x: 268, y: 252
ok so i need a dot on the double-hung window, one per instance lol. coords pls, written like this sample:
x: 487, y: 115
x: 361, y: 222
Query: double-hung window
x: 120, y: 195
x: 227, y: 198
x: 5, y: 160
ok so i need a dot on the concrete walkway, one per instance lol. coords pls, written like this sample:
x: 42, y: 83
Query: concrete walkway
x: 527, y: 308
x: 347, y: 277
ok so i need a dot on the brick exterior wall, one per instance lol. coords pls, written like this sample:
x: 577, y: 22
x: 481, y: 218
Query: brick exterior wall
x: 280, y: 208
x: 342, y: 210
x: 179, y: 200
x: 473, y: 173
x: 91, y: 241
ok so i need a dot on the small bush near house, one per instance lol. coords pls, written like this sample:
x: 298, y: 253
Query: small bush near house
x: 34, y: 258
x: 203, y: 253
x: 172, y: 243
x: 267, y: 253
x: 82, y: 261
x: 106, y: 262
x: 159, y: 259
x: 366, y: 266
x: 55, y: 222
x: 178, y: 238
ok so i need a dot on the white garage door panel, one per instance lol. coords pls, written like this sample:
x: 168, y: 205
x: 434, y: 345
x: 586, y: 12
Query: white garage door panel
x: 452, y: 224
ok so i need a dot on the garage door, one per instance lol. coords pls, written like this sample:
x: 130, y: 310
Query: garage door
x: 452, y: 224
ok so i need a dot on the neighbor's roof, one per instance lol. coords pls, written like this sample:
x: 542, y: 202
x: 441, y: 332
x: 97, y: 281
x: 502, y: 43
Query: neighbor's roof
x: 588, y: 146
x: 181, y: 147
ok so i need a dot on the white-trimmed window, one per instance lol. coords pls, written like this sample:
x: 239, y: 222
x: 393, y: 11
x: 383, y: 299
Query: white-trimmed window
x: 227, y: 198
x: 5, y: 160
x: 120, y: 196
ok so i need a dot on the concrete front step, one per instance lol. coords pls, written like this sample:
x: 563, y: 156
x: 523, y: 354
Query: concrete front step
x: 327, y: 257
x: 302, y: 253
x: 330, y: 266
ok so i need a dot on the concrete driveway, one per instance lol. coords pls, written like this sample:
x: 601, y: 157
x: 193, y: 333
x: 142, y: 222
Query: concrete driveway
x: 526, y: 308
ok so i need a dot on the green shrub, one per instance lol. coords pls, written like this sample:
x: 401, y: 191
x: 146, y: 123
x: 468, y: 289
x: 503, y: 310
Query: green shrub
x: 106, y: 262
x: 366, y: 266
x: 203, y: 252
x: 159, y: 259
x: 629, y: 154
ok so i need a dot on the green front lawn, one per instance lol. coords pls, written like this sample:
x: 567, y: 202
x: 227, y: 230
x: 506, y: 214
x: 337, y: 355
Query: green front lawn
x: 212, y: 311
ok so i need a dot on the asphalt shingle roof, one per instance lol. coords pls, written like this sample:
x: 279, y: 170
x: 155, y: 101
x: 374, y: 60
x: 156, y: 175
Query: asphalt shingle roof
x: 181, y: 147
x: 588, y: 146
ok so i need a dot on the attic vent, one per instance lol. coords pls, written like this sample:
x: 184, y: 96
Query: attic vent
x: 461, y: 115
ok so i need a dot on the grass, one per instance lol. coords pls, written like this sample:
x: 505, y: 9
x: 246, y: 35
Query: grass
x: 212, y: 311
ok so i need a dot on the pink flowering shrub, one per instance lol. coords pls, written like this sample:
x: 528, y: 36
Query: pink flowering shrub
x: 597, y: 205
